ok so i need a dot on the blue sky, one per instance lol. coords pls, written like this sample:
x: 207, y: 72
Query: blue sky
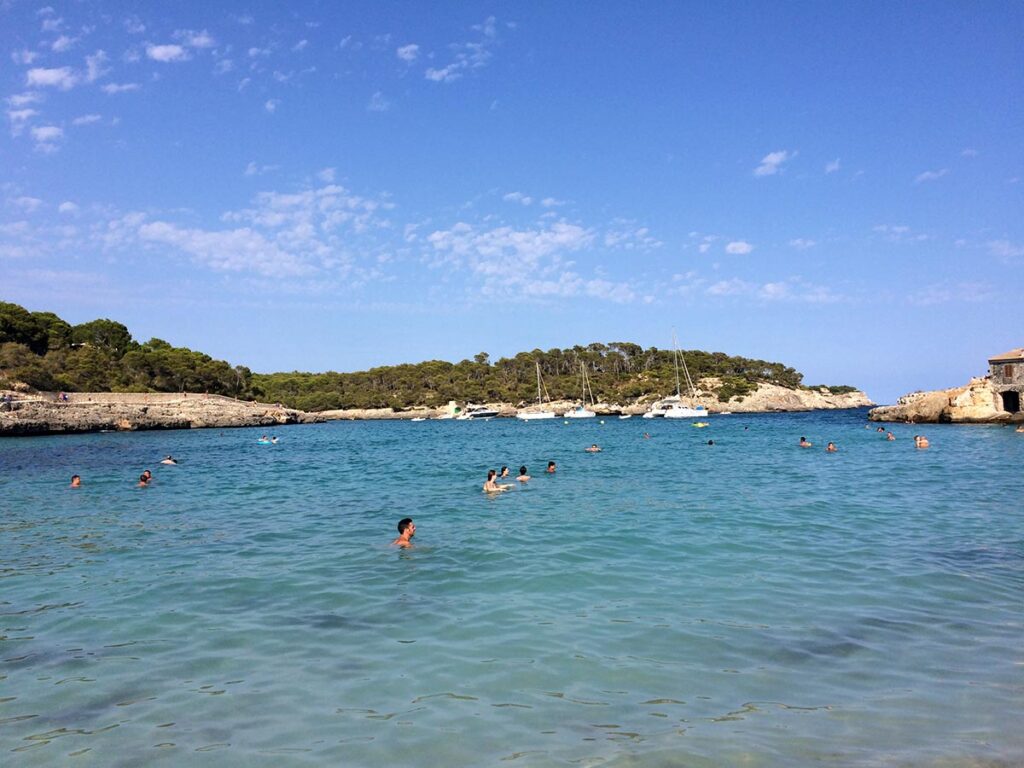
x: 330, y: 186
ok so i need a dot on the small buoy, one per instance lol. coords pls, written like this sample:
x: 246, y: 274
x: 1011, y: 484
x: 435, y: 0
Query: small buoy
x: 602, y: 421
x: 566, y: 423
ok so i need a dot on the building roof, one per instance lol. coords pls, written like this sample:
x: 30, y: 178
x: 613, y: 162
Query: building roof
x: 1006, y: 357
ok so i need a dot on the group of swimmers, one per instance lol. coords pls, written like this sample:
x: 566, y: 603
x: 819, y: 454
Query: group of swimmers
x: 491, y: 485
x: 144, y: 479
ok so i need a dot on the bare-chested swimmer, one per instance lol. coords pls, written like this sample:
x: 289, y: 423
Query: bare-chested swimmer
x: 406, y: 530
x: 492, y: 487
x: 524, y: 476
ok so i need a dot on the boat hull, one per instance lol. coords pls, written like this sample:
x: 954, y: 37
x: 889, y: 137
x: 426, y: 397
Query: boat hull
x: 536, y: 415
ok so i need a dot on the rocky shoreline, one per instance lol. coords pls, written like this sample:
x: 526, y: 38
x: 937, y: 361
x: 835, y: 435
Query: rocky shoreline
x: 46, y: 414
x: 974, y: 403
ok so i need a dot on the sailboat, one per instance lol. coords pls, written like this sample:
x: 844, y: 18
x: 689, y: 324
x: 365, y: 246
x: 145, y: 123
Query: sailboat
x: 581, y: 411
x: 675, y: 408
x: 542, y: 413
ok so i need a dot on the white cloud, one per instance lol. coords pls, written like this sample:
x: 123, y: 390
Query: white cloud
x: 408, y: 52
x: 772, y: 162
x: 94, y: 66
x: 550, y: 202
x: 27, y: 204
x: 68, y: 207
x: 300, y: 46
x: 252, y: 169
x: 832, y: 167
x: 52, y: 25
x: 167, y: 53
x: 627, y: 236
x: 968, y: 152
x: 466, y: 56
x: 730, y: 287
x: 19, y: 119
x: 739, y: 247
x: 802, y: 244
x: 223, y: 66
x: 326, y: 175
x: 931, y: 175
x: 518, y: 197
x: 1004, y: 249
x: 47, y: 137
x: 115, y: 88
x: 23, y: 99
x: 258, y: 52
x: 793, y: 289
x: 192, y: 39
x: 61, y: 78
x: 87, y: 119
x: 378, y: 103
x: 133, y: 25
x: 271, y: 105
x: 63, y: 43
x: 24, y: 56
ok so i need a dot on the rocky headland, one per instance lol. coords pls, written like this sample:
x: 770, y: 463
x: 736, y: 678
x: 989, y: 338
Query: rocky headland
x: 45, y: 414
x: 975, y: 403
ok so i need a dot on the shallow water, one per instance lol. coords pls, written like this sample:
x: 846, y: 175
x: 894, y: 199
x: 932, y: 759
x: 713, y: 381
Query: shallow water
x: 663, y: 602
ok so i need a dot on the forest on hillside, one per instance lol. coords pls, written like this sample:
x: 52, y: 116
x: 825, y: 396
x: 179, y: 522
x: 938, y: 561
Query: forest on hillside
x: 42, y: 351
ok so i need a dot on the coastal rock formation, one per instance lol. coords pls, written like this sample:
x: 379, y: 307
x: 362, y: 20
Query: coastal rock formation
x: 975, y: 403
x: 770, y: 397
x: 94, y: 412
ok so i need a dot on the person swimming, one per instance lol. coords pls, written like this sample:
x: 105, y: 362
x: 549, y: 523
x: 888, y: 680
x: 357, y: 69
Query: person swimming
x: 169, y: 460
x: 523, y: 475
x: 804, y: 443
x: 144, y: 480
x: 551, y: 468
x: 406, y: 530
x: 920, y: 441
x: 76, y: 481
x: 831, y: 448
x: 492, y: 487
x: 890, y: 436
x: 593, y: 449
x: 503, y: 472
x: 711, y: 442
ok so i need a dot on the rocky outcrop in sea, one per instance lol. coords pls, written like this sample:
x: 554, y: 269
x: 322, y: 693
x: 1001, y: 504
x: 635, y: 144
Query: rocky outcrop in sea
x: 975, y: 403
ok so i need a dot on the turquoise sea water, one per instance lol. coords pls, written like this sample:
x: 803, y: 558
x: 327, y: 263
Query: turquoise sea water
x: 662, y: 603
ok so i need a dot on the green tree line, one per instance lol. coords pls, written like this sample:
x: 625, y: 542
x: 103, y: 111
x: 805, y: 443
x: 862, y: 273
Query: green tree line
x: 45, y: 352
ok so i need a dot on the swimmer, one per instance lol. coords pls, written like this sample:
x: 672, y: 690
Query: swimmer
x: 831, y: 448
x: 406, y: 530
x: 551, y: 468
x: 76, y: 481
x: 890, y: 436
x: 647, y: 435
x: 274, y: 440
x: 1020, y: 428
x: 804, y: 443
x: 503, y: 472
x: 144, y: 480
x: 169, y: 460
x: 921, y: 441
x: 880, y: 429
x: 593, y: 449
x: 523, y: 475
x: 492, y: 487
x: 711, y: 442
x: 148, y: 474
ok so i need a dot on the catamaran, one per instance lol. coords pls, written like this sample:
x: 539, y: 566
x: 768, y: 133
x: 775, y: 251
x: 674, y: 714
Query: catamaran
x: 675, y: 407
x: 543, y: 413
x: 581, y: 411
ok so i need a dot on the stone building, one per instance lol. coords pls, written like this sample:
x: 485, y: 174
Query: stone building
x: 1006, y: 372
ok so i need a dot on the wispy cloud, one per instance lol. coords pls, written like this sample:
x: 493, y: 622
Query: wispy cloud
x: 115, y: 88
x: 61, y: 78
x: 969, y: 152
x: 946, y: 293
x: 1006, y: 250
x: 794, y: 289
x: 802, y: 244
x: 833, y: 166
x: 47, y: 137
x: 19, y: 119
x: 466, y: 57
x: 167, y: 53
x: 253, y: 169
x: 773, y: 161
x: 193, y: 39
x: 87, y: 119
x: 518, y: 197
x: 24, y: 56
x: 408, y: 53
x: 95, y: 66
x: 271, y: 105
x: 739, y: 247
x: 931, y: 175
x: 378, y: 103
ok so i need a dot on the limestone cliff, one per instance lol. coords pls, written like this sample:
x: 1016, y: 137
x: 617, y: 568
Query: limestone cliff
x: 975, y: 403
x: 94, y: 412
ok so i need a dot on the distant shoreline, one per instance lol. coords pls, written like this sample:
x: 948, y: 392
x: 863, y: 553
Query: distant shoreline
x: 84, y: 412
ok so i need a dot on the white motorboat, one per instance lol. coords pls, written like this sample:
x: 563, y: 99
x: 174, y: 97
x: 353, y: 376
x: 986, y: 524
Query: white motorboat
x: 626, y: 416
x: 477, y: 412
x: 543, y: 413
